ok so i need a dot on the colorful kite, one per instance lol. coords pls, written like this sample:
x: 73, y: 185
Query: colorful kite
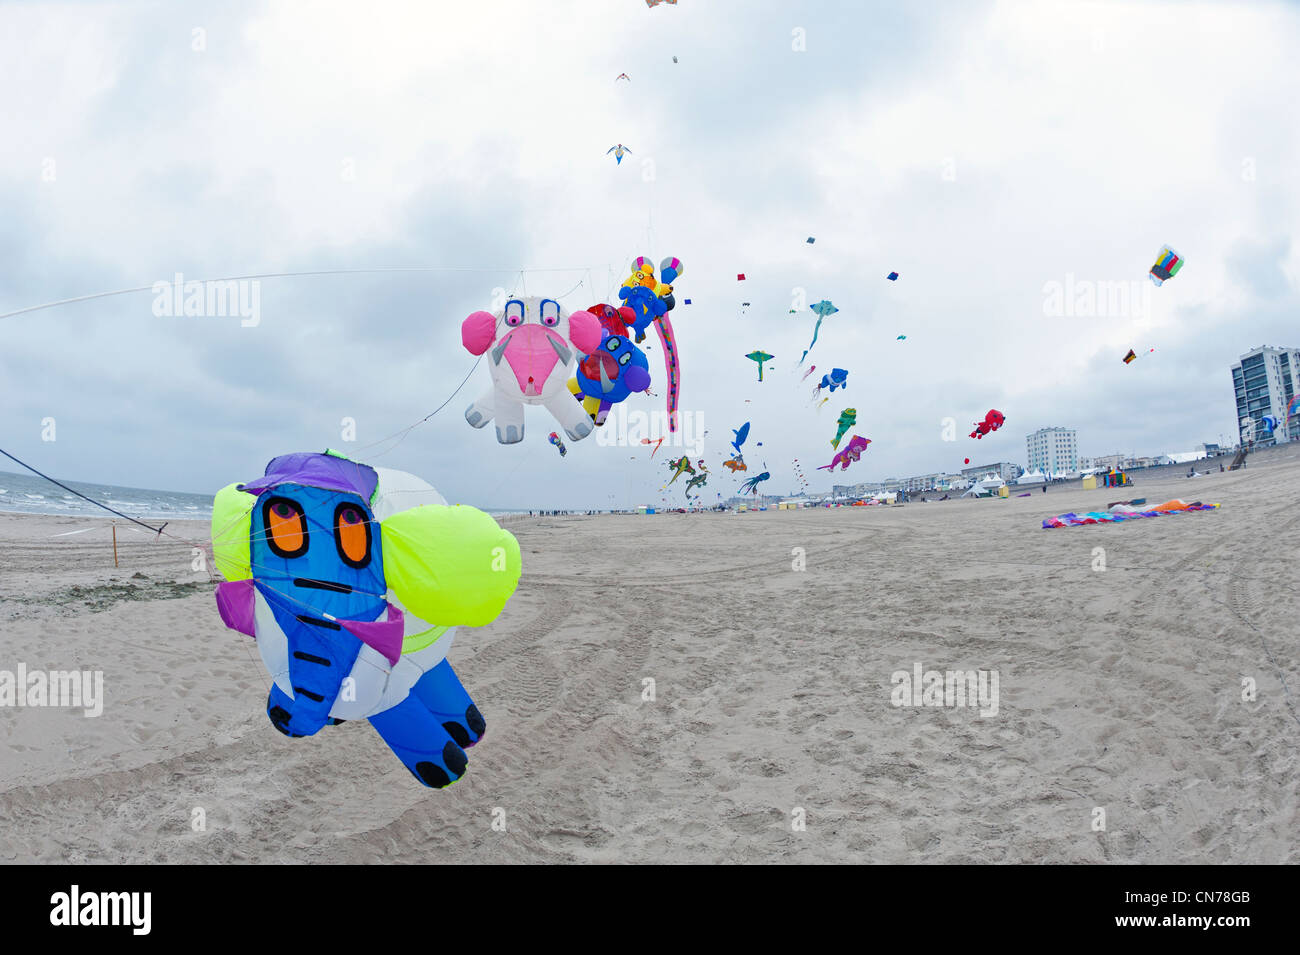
x: 655, y: 443
x: 555, y: 440
x: 811, y: 240
x: 735, y: 464
x: 1121, y: 512
x: 619, y: 152
x: 851, y: 454
x: 753, y: 483
x: 650, y: 301
x: 1269, y: 422
x: 848, y: 418
x: 680, y: 466
x: 992, y: 421
x: 760, y: 357
x: 741, y: 434
x: 622, y: 76
x: 740, y: 276
x: 699, y: 480
x: 610, y: 375
x: 892, y: 276
x: 352, y: 580
x: 838, y: 378
x: 530, y: 364
x: 823, y: 309
x: 1132, y: 355
x: 1168, y: 264
x: 811, y: 369
x: 901, y: 338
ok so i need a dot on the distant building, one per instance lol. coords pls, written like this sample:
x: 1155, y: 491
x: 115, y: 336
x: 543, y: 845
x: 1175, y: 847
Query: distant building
x: 1003, y: 469
x: 1053, y: 450
x: 1264, y: 381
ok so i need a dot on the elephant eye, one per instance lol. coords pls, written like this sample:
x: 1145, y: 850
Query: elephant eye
x: 514, y: 313
x: 550, y: 312
x: 613, y: 343
x: 624, y: 358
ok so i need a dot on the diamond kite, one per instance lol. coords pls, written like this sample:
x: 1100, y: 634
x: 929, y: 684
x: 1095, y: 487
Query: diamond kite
x: 892, y: 276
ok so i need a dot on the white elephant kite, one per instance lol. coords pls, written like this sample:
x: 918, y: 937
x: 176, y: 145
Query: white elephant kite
x: 531, y: 364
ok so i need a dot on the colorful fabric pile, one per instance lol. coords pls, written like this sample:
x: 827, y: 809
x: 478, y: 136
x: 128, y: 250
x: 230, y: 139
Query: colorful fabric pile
x: 1125, y: 512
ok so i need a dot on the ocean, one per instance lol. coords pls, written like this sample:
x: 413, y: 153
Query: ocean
x: 29, y: 494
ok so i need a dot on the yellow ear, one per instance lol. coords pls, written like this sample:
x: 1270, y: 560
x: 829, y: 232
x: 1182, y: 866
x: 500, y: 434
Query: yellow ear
x: 450, y: 565
x: 232, y: 523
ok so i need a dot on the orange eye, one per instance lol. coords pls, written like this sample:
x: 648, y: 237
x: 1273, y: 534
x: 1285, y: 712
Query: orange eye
x: 352, y: 535
x: 285, y: 526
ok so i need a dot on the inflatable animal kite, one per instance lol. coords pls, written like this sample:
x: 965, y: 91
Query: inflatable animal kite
x: 650, y: 301
x: 824, y: 309
x: 760, y: 356
x: 992, y: 421
x: 741, y: 434
x: 352, y: 580
x: 851, y: 454
x: 609, y: 375
x: 735, y: 464
x: 838, y: 378
x: 753, y: 483
x: 848, y: 418
x: 530, y: 364
x: 680, y: 466
x: 700, y: 480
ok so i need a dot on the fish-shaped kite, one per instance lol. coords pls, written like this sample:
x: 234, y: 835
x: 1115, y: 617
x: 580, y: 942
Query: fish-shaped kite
x: 1168, y: 262
x: 848, y: 418
x: 823, y: 309
x: 619, y: 151
x: 741, y: 434
x: 851, y: 454
x: 760, y: 357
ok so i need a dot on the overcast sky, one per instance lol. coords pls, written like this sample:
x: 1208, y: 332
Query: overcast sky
x: 982, y: 150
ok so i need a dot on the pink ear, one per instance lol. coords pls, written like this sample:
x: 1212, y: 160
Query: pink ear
x: 478, y: 332
x: 584, y: 331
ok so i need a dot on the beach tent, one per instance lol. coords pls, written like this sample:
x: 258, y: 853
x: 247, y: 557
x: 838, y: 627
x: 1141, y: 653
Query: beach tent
x: 1035, y: 478
x: 978, y: 490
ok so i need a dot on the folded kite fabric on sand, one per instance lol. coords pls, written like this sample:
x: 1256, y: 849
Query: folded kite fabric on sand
x: 1125, y: 512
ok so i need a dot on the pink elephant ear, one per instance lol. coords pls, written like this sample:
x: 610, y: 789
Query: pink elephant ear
x: 584, y: 331
x: 478, y: 332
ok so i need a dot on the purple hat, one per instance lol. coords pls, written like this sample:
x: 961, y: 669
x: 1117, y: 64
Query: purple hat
x: 325, y: 471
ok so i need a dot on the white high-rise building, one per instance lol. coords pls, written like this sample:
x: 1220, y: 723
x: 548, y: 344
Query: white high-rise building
x: 1264, y: 381
x: 1053, y: 450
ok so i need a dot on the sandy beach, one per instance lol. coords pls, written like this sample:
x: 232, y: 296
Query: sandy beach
x: 1120, y: 690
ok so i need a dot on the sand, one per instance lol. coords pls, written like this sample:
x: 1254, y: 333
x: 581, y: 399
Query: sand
x: 1119, y: 690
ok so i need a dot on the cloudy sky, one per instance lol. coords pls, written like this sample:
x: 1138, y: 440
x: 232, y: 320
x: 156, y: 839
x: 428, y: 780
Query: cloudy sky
x: 982, y: 150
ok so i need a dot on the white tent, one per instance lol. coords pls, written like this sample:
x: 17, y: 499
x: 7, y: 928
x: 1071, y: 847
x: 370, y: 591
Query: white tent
x: 978, y: 490
x: 1035, y: 478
